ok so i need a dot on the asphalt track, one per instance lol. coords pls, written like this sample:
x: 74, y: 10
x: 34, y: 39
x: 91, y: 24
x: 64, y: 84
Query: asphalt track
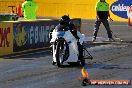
x: 111, y: 61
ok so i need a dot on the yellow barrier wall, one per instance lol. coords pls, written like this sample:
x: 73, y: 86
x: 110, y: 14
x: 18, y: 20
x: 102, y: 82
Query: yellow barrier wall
x: 6, y: 39
x: 4, y: 5
x: 75, y: 8
x: 56, y: 8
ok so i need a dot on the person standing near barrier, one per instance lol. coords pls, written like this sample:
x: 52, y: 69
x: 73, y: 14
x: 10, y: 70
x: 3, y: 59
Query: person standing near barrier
x: 29, y: 8
x: 102, y: 14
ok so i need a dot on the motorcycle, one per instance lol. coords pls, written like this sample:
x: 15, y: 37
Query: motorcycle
x: 65, y: 47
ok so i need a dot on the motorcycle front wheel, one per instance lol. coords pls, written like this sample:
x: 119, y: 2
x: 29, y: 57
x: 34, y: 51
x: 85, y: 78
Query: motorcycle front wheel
x: 61, y: 53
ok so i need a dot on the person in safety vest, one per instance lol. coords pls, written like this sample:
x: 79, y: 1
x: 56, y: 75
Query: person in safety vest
x: 29, y: 8
x: 102, y: 15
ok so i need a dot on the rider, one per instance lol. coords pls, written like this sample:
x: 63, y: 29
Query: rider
x: 65, y: 23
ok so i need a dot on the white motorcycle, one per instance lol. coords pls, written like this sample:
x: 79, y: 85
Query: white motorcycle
x: 65, y: 48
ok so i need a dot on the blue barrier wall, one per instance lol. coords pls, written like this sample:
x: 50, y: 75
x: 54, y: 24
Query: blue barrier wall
x: 35, y: 34
x: 31, y: 35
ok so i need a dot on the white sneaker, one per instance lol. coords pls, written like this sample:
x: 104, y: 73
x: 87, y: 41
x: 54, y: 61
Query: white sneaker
x: 111, y: 40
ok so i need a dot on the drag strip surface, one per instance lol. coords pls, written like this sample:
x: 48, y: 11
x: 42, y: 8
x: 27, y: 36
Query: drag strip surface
x: 111, y: 61
x: 36, y: 71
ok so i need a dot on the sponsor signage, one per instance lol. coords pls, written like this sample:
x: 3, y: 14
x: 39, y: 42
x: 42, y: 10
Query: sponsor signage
x: 6, y: 38
x: 32, y: 35
x: 121, y: 7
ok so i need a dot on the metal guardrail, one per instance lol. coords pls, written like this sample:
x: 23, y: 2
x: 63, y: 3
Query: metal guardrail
x: 8, y: 17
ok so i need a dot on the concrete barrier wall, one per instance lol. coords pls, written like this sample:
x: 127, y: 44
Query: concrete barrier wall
x: 25, y: 36
x: 31, y: 35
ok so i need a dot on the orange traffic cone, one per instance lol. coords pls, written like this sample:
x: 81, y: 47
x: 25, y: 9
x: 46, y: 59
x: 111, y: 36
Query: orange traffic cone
x: 19, y: 11
x: 129, y: 21
x: 129, y: 18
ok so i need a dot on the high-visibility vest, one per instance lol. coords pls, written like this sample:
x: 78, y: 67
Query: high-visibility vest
x: 29, y: 9
x: 102, y: 6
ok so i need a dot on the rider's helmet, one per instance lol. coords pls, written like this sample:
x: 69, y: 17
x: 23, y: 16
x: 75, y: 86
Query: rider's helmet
x: 64, y: 20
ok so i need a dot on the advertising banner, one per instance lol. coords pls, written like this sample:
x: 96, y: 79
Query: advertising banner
x: 34, y: 35
x: 31, y: 35
x: 6, y: 40
x: 121, y: 8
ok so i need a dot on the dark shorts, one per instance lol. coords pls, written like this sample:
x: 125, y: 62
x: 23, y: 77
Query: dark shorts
x: 103, y: 14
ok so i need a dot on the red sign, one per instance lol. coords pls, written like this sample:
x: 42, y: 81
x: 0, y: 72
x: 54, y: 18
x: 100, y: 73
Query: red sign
x: 4, y: 37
